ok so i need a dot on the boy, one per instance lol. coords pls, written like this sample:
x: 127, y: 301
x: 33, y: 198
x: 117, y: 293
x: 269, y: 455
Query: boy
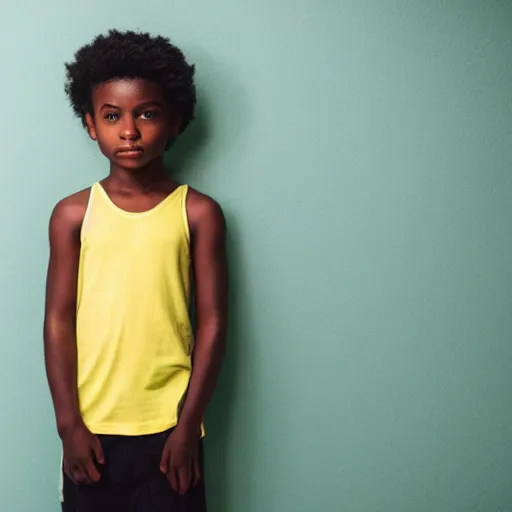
x: 129, y: 381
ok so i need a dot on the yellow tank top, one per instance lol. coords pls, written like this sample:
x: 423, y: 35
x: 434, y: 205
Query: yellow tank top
x: 134, y: 336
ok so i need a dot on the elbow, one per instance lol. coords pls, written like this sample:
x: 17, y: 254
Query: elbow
x: 211, y: 335
x: 57, y: 328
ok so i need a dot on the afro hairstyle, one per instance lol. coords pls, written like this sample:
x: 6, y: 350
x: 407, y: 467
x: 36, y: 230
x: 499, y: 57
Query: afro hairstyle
x: 125, y: 55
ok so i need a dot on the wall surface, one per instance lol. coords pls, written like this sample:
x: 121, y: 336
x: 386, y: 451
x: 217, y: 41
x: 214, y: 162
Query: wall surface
x: 362, y: 152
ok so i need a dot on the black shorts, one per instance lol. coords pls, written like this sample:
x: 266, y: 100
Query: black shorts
x: 131, y: 481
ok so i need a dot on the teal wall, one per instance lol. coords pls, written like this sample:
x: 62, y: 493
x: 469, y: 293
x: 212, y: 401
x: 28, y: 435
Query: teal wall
x: 362, y: 151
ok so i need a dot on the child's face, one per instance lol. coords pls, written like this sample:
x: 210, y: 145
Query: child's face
x: 131, y: 121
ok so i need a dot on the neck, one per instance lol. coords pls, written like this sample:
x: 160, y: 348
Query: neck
x: 142, y: 179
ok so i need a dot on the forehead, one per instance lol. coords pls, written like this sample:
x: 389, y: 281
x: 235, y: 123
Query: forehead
x: 127, y: 93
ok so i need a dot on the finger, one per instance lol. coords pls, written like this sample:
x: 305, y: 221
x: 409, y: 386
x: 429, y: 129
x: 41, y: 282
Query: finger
x: 184, y: 476
x: 78, y: 475
x: 66, y: 468
x: 84, y: 467
x: 92, y: 471
x: 172, y: 476
x: 197, y: 470
x: 164, y: 461
x: 98, y: 451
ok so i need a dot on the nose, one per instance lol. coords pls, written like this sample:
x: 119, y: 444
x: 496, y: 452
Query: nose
x: 129, y: 130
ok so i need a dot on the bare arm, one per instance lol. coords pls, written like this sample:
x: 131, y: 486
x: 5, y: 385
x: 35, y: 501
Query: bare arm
x: 180, y: 457
x: 60, y: 340
x: 210, y: 276
x: 60, y: 315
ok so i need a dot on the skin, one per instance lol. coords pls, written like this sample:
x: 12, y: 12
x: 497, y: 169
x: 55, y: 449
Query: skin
x: 129, y: 114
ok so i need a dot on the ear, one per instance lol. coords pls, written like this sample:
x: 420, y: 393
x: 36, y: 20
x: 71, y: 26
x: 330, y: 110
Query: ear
x: 91, y: 128
x: 175, y: 126
x: 170, y: 143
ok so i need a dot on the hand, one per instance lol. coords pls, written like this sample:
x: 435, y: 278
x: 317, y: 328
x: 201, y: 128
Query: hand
x: 82, y: 450
x: 180, y: 460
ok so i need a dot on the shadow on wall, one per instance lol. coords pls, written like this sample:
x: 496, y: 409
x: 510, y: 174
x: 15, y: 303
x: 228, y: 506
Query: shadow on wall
x: 189, y: 158
x: 190, y: 147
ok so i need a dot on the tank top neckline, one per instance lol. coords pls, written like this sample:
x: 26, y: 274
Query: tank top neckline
x: 145, y: 213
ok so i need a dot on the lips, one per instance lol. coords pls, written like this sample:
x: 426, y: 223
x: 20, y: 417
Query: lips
x: 129, y: 152
x: 129, y: 149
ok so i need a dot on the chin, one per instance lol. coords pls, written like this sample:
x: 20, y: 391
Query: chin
x: 131, y: 164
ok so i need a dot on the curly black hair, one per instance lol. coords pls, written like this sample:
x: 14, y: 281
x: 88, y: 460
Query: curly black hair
x: 131, y: 55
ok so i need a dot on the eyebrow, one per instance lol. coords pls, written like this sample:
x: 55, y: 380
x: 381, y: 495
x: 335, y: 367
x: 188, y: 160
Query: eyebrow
x: 150, y: 103
x: 141, y: 105
x: 109, y: 105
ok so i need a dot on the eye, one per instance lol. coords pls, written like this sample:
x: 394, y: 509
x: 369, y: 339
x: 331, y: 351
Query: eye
x: 111, y: 116
x: 149, y: 114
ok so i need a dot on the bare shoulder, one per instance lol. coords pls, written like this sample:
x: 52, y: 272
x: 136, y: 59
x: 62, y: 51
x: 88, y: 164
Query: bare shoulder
x: 70, y: 211
x: 202, y: 210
